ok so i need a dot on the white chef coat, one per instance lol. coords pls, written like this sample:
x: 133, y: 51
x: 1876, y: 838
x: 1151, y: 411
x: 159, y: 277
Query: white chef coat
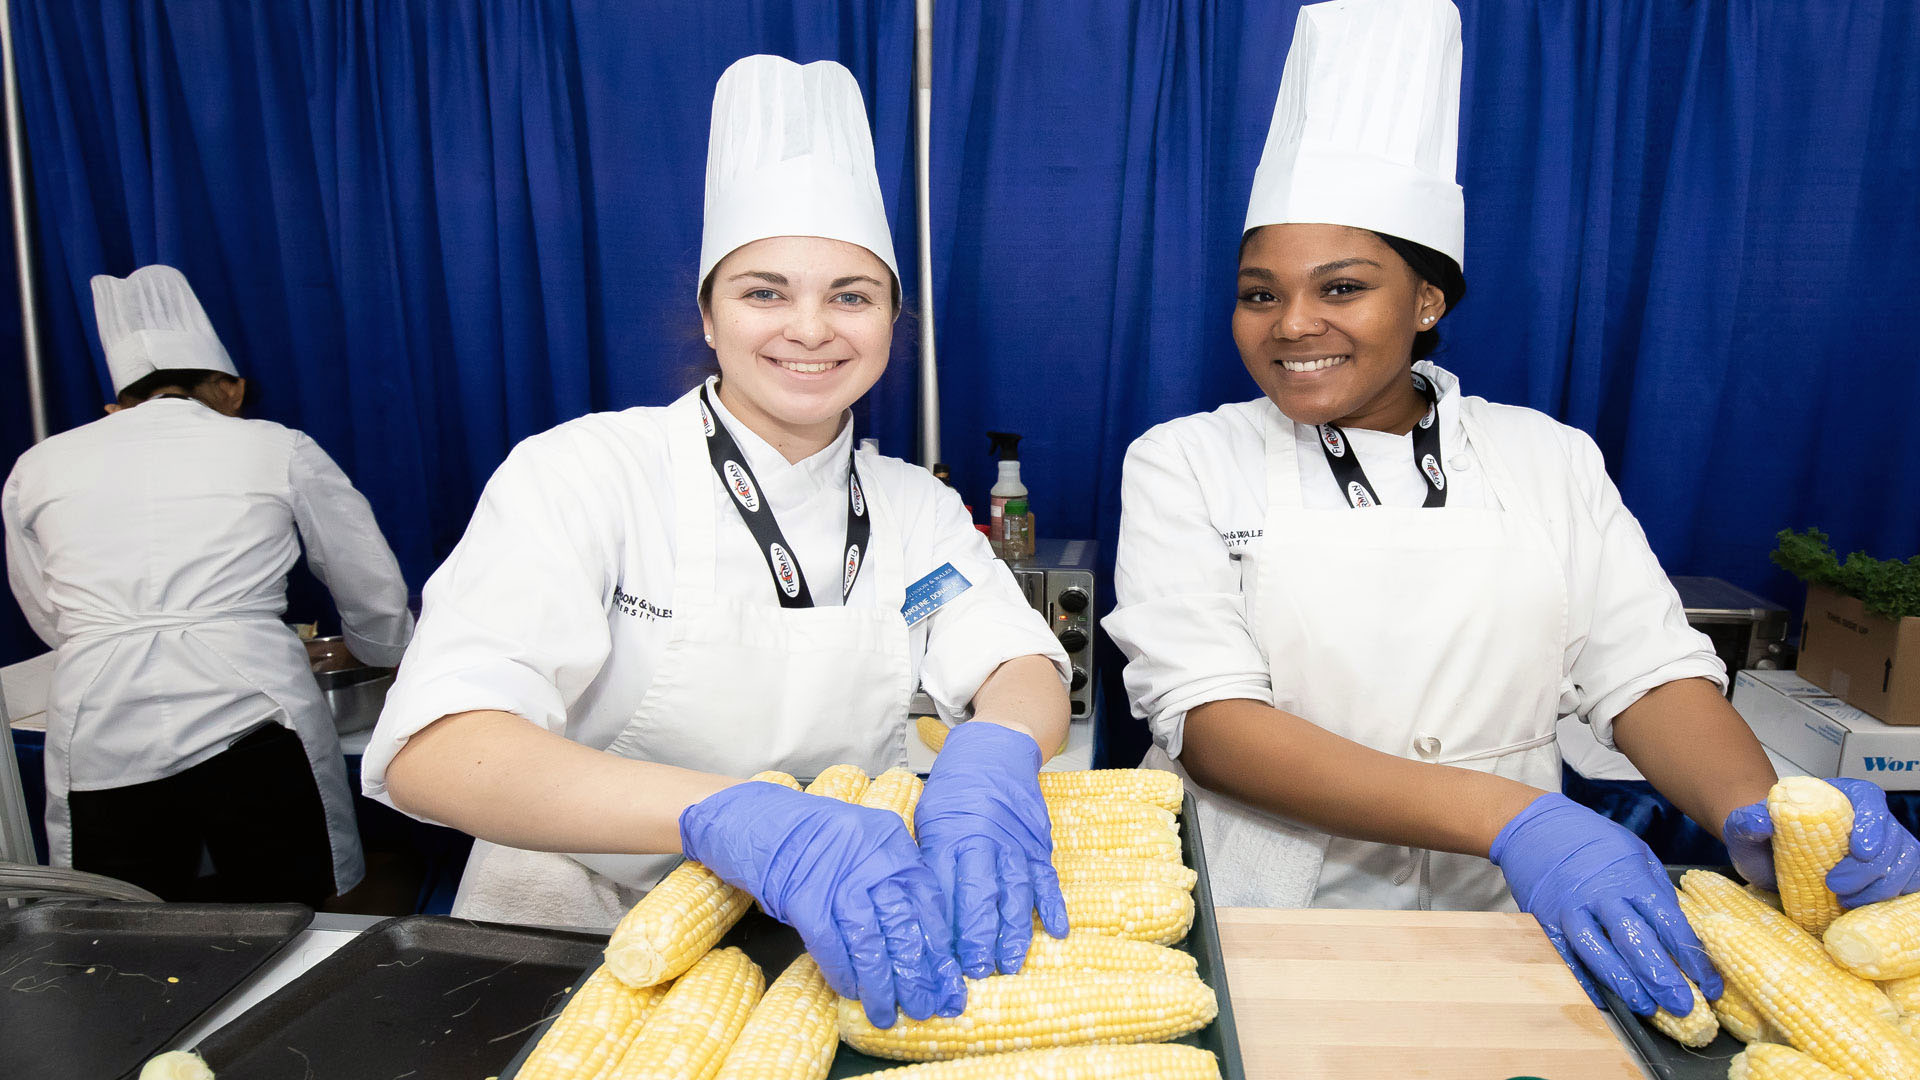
x: 555, y: 605
x: 151, y: 548
x: 1194, y: 500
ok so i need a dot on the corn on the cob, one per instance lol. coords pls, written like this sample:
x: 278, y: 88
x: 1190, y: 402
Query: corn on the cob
x: 844, y: 782
x: 773, y: 776
x: 1133, y: 840
x: 1083, y: 951
x: 1721, y: 895
x: 933, y: 732
x: 176, y: 1065
x: 1812, y: 820
x: 1025, y: 1012
x: 1155, y: 787
x: 600, y: 1021
x: 689, y: 1033
x: 1083, y: 866
x: 897, y: 790
x: 1697, y: 1028
x: 1771, y: 899
x: 1909, y: 1025
x: 1904, y: 993
x: 1141, y: 910
x: 1764, y: 1061
x: 1735, y: 1013
x: 791, y: 1034
x: 1793, y: 996
x: 1152, y: 1061
x: 1113, y: 813
x: 1878, y: 941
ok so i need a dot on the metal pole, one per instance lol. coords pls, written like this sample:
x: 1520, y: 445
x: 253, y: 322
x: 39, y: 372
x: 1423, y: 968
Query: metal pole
x: 22, y: 238
x: 923, y: 158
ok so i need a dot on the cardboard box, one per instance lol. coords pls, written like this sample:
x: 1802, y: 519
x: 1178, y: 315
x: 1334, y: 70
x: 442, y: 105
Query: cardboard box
x: 1824, y: 735
x: 1866, y: 660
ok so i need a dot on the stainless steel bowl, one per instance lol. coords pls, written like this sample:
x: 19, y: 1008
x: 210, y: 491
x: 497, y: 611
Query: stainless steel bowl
x: 355, y: 696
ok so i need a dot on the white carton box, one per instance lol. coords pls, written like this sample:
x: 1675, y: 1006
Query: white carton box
x: 1824, y: 735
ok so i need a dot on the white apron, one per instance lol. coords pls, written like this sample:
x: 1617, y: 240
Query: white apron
x: 1433, y: 634
x: 261, y: 650
x: 741, y: 688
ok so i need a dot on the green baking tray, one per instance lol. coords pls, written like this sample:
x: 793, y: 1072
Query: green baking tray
x: 773, y: 945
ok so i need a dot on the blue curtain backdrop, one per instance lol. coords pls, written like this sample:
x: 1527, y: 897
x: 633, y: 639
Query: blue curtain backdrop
x: 431, y: 229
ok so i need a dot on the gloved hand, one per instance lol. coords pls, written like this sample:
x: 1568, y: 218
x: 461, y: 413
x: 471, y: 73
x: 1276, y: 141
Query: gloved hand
x: 1605, y: 903
x: 850, y: 879
x: 1882, y: 861
x: 984, y: 830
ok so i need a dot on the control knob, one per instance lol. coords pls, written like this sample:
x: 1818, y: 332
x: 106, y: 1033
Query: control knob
x: 1073, y: 639
x: 1079, y: 678
x: 1073, y: 599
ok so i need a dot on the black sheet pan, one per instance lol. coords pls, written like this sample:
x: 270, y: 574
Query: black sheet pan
x: 423, y: 997
x: 90, y: 989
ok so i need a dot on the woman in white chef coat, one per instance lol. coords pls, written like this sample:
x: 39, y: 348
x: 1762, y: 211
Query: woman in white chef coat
x: 652, y: 604
x: 151, y: 549
x: 1353, y: 608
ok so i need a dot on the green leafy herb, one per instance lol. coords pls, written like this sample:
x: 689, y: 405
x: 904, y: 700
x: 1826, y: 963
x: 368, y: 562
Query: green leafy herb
x: 1889, y: 587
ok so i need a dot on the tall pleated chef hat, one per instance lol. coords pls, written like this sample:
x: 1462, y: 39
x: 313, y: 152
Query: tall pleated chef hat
x: 1367, y: 125
x: 151, y: 321
x: 790, y: 154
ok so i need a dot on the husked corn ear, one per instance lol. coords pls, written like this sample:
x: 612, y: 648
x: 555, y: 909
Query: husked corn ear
x: 1026, y: 1012
x: 1141, y: 910
x: 933, y: 732
x: 773, y: 777
x: 791, y: 1034
x: 1719, y: 894
x: 844, y: 782
x: 1155, y: 787
x: 1904, y: 993
x: 1771, y: 899
x: 1811, y: 823
x: 1878, y: 941
x: 1082, y: 951
x: 1151, y: 1061
x: 1793, y: 996
x: 1697, y: 1028
x: 176, y: 1065
x: 897, y: 790
x: 674, y: 925
x: 1909, y: 1025
x: 1131, y: 839
x: 1764, y: 1061
x: 1085, y: 866
x: 1110, y: 812
x: 601, y: 1020
x: 1735, y: 1013
x: 689, y: 1033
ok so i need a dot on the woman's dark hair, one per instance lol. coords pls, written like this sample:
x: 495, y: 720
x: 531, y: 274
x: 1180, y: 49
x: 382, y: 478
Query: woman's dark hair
x: 186, y: 380
x: 1437, y: 270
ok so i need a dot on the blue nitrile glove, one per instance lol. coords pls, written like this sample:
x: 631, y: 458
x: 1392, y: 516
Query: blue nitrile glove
x: 984, y: 830
x: 850, y: 879
x: 1882, y: 860
x: 1605, y: 903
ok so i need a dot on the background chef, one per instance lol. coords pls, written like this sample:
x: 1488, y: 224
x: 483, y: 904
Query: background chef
x: 650, y: 605
x: 1364, y: 683
x: 151, y: 549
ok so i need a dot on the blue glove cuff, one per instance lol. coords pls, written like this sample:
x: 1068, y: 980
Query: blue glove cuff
x: 1548, y: 803
x: 976, y: 741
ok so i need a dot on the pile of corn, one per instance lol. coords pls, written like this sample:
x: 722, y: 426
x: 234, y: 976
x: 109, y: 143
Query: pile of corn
x: 1816, y: 994
x: 1096, y: 1005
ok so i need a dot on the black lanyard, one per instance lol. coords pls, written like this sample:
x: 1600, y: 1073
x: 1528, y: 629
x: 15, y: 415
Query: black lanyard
x: 790, y: 584
x: 1352, y: 479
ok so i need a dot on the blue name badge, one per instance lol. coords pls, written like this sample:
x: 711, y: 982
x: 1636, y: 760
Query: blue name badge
x: 926, y: 596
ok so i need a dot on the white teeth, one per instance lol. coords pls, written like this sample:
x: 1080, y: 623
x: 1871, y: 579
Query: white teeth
x: 808, y: 369
x: 1314, y: 365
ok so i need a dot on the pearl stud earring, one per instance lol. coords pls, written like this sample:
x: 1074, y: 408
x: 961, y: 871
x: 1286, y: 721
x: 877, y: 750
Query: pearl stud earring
x: 710, y: 336
x: 1428, y: 319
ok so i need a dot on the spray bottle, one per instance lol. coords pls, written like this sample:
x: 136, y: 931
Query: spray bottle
x: 1005, y: 533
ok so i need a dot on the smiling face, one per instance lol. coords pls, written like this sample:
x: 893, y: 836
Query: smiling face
x: 801, y: 326
x: 1325, y: 319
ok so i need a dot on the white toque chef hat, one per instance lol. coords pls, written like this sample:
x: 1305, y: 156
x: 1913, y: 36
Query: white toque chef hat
x: 790, y: 154
x: 1366, y: 128
x: 151, y: 321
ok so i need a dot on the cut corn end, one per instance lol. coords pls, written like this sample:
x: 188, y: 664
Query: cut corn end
x: 1812, y: 823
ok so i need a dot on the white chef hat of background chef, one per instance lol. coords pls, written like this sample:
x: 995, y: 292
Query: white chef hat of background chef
x: 1366, y: 127
x: 790, y: 154
x: 151, y: 321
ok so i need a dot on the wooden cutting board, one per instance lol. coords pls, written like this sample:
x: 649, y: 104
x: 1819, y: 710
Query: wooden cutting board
x: 1439, y: 995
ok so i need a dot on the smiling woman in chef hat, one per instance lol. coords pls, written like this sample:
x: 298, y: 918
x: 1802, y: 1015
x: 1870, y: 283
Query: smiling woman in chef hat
x: 650, y: 605
x: 1353, y: 608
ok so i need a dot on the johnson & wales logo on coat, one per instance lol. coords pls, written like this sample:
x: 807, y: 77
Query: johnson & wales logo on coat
x: 1332, y: 437
x: 741, y: 486
x: 783, y: 570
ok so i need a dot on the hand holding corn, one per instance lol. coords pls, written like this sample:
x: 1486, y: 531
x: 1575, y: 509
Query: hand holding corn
x: 1872, y: 858
x: 1605, y: 904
